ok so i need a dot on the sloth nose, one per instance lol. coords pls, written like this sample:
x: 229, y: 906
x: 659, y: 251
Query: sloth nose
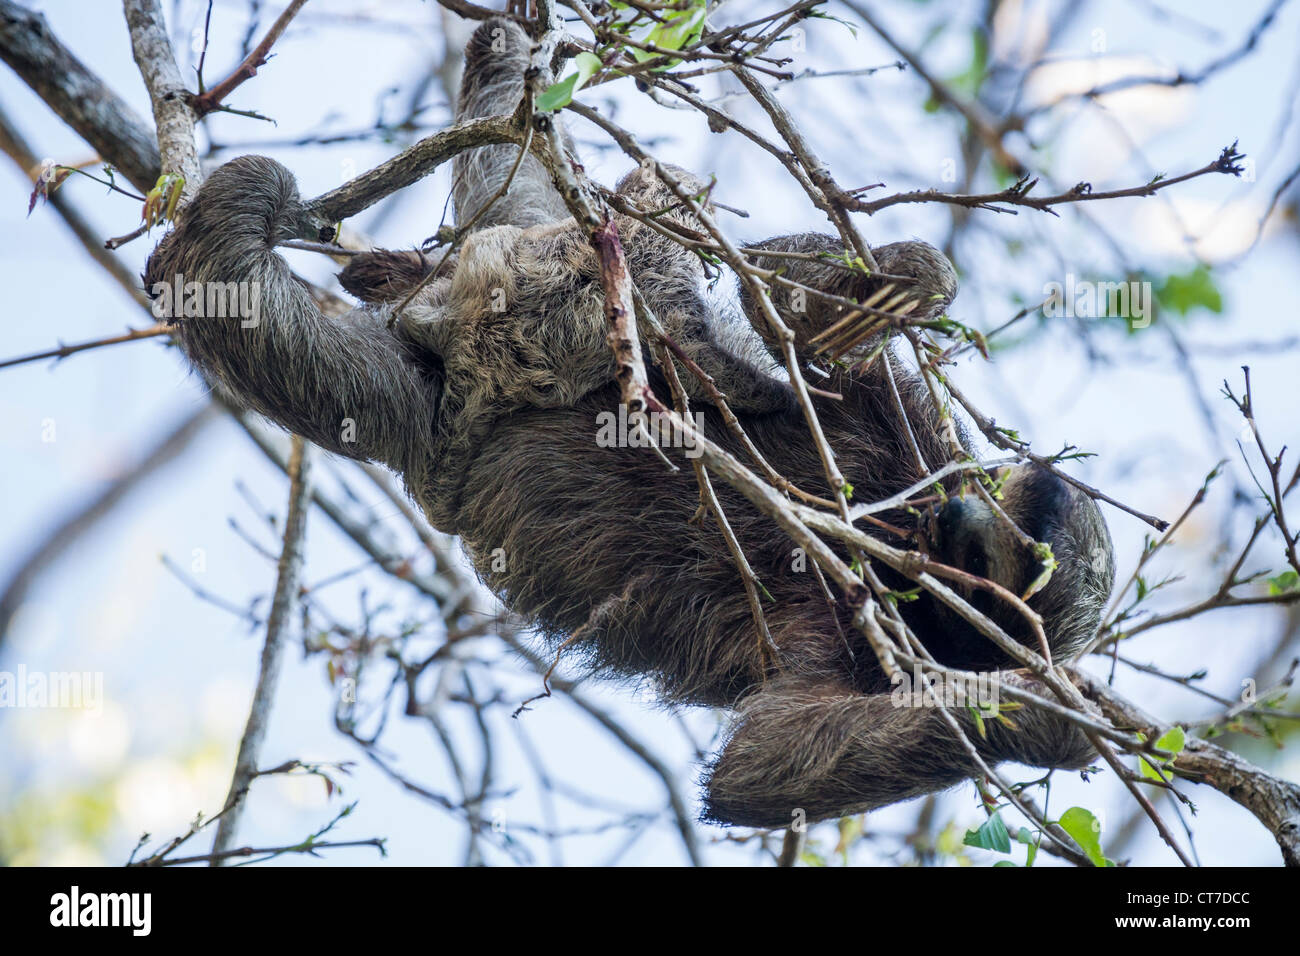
x: 955, y: 523
x: 949, y: 518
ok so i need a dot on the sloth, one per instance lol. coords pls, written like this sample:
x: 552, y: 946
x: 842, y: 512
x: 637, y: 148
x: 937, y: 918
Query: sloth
x: 484, y: 394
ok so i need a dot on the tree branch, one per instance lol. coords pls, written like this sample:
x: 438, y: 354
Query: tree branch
x: 1274, y: 802
x: 79, y: 97
x: 277, y: 630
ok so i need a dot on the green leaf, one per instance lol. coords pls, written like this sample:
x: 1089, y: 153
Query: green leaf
x: 1148, y: 771
x: 558, y: 95
x: 587, y: 64
x: 1173, y: 740
x: 992, y: 835
x: 1284, y: 582
x: 1194, y: 290
x: 679, y: 30
x: 1085, y: 830
x: 1030, y: 839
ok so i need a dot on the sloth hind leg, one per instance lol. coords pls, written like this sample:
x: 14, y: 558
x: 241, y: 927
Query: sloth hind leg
x: 817, y: 751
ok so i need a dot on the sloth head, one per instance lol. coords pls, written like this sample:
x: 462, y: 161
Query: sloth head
x: 966, y: 533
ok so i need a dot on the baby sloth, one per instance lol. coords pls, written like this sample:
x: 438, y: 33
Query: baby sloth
x: 485, y: 394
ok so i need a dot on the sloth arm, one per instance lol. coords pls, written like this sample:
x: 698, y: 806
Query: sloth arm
x: 347, y: 383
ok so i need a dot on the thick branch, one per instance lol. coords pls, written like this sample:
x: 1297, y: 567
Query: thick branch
x: 1274, y: 802
x: 79, y: 97
x: 172, y: 112
x: 412, y: 165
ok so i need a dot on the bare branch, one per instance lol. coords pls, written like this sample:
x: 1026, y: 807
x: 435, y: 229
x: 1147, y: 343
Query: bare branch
x: 277, y: 632
x: 78, y: 96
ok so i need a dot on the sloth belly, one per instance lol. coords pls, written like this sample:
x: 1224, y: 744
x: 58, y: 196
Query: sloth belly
x: 584, y: 538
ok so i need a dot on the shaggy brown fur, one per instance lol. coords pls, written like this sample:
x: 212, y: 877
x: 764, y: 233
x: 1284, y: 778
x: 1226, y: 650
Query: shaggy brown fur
x: 485, y: 398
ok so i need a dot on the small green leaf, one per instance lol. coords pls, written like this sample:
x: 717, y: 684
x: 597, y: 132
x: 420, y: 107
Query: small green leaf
x: 1284, y: 582
x: 1173, y: 740
x: 1195, y: 289
x: 587, y: 64
x: 558, y: 95
x: 992, y: 835
x: 678, y: 30
x: 1030, y: 839
x: 970, y: 79
x: 1085, y: 830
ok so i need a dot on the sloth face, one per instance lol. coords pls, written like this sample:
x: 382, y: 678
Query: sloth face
x: 966, y: 533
